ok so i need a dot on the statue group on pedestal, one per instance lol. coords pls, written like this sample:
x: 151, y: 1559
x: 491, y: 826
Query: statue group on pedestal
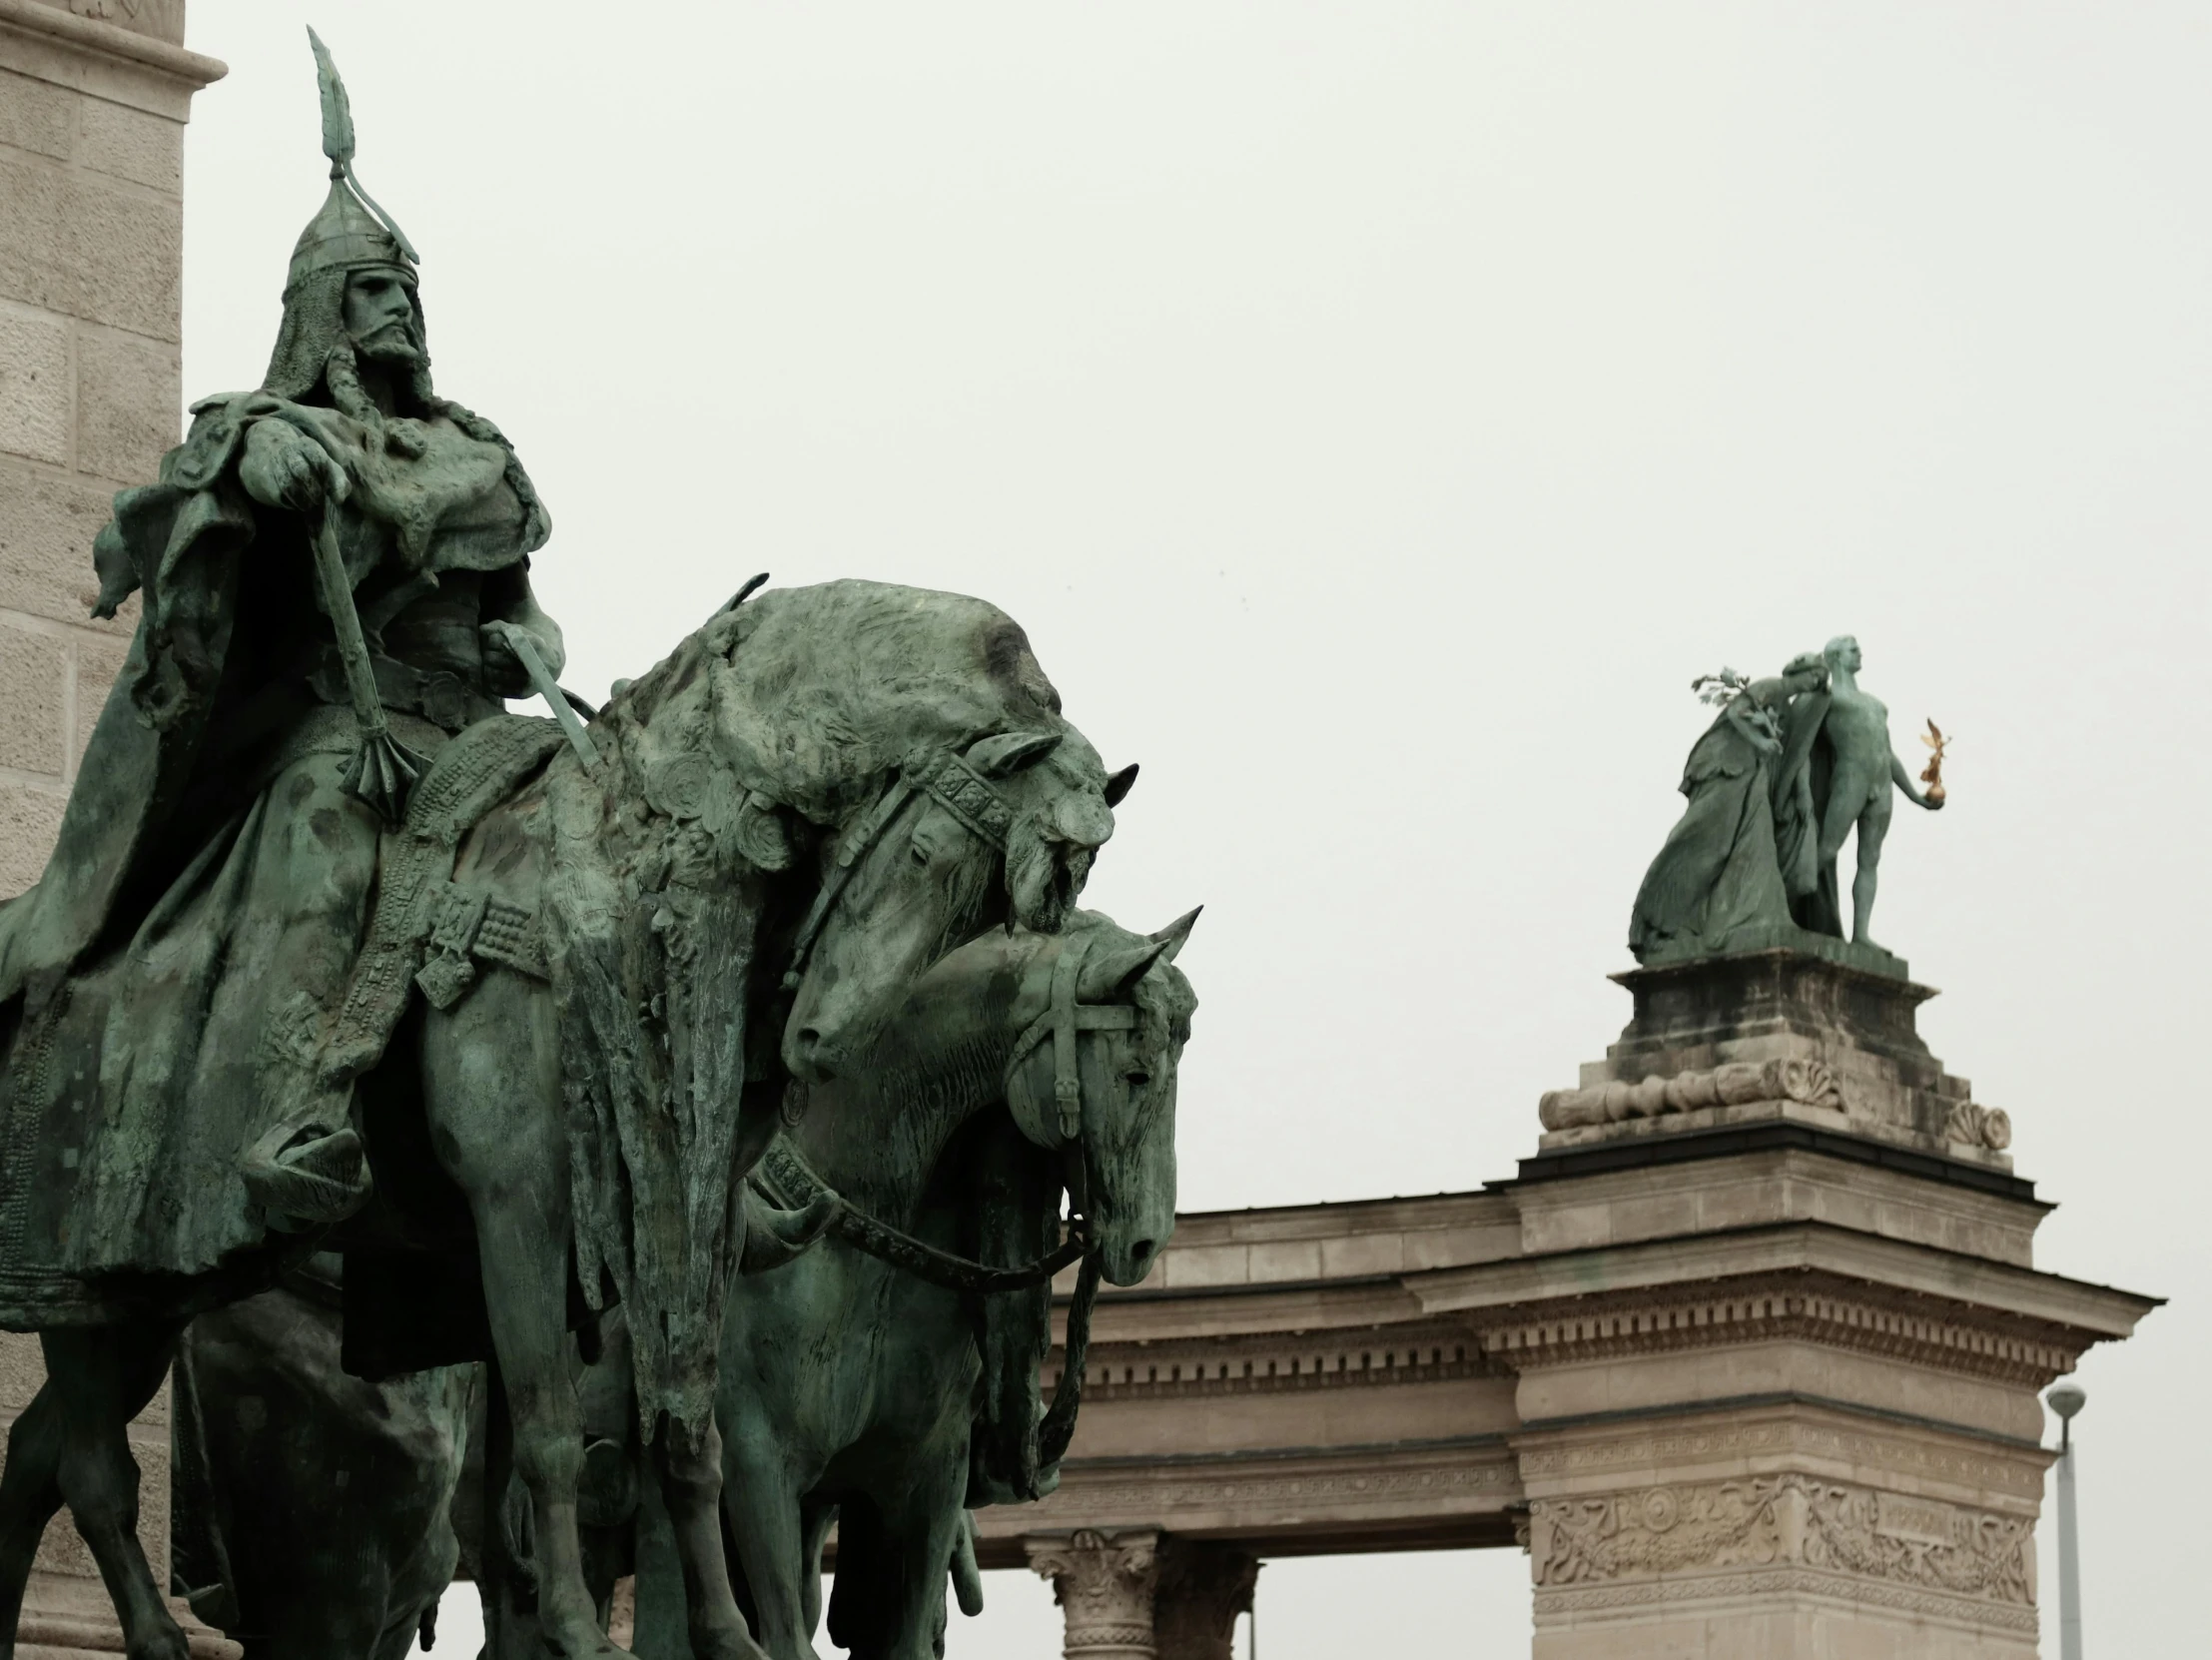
x: 1791, y: 768
x: 736, y: 1055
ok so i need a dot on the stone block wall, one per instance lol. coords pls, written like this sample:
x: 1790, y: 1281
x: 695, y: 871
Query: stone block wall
x: 94, y: 95
x: 93, y: 100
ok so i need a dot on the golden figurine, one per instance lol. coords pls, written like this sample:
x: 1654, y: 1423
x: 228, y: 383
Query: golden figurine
x: 1933, y: 776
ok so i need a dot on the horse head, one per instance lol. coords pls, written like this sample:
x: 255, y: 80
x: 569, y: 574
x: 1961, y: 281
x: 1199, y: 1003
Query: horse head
x: 1093, y: 1075
x: 896, y: 760
x: 1001, y: 831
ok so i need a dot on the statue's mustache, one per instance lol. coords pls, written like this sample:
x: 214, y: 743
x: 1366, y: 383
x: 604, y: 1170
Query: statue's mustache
x: 397, y: 333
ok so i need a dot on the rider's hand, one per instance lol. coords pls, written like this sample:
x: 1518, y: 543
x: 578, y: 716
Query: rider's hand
x: 500, y: 660
x: 284, y: 468
x: 504, y: 664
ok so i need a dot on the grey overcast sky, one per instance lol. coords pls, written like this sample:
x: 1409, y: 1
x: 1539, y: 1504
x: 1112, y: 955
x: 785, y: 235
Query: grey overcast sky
x: 1377, y: 413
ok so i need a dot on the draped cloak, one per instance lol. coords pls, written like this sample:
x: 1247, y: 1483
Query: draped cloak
x: 1718, y: 881
x: 160, y: 987
x: 1808, y: 765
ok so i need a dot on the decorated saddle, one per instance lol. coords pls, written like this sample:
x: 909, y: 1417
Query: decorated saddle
x: 429, y: 933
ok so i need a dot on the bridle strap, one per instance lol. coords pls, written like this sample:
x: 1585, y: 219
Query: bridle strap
x: 965, y: 793
x: 948, y: 779
x: 1066, y: 1076
x: 849, y: 853
x: 785, y: 1179
x: 1062, y: 1018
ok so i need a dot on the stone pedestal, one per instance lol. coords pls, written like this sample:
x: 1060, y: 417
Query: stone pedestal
x: 93, y: 100
x: 1137, y: 1595
x: 1775, y: 1036
x: 1777, y: 1334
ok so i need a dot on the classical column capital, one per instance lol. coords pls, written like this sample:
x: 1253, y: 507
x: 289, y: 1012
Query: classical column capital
x: 1103, y: 1583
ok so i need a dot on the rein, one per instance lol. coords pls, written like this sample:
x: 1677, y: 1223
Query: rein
x: 1062, y: 1018
x: 958, y: 788
x: 1059, y: 1428
x: 786, y: 1180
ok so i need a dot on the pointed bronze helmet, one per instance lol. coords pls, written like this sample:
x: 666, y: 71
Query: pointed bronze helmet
x: 349, y: 233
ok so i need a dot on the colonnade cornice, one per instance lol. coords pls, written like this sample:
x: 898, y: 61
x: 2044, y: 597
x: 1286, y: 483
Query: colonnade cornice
x: 1660, y: 1264
x: 1805, y: 1305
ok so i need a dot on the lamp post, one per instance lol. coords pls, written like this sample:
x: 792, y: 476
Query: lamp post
x: 2066, y: 1400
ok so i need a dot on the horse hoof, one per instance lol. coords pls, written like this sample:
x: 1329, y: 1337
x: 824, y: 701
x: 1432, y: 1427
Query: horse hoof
x: 599, y: 1647
x: 160, y: 1645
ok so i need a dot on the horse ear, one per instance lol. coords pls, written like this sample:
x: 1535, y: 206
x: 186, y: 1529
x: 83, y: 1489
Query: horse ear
x: 1176, y: 932
x: 1007, y: 753
x: 1117, y: 786
x: 1110, y: 976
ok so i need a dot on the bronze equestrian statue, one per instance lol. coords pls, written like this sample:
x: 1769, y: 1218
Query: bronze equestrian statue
x: 334, y: 953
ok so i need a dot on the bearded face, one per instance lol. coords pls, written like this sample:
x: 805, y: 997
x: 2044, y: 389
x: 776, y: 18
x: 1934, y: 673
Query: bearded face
x: 379, y: 317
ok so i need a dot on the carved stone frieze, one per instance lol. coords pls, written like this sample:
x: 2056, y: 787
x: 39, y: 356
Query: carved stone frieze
x: 162, y: 19
x: 1103, y: 1583
x: 1740, y: 1084
x: 1957, y: 1552
x: 1834, y: 1313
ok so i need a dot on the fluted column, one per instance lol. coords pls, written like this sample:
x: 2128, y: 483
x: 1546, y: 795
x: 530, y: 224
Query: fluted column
x: 1105, y: 1585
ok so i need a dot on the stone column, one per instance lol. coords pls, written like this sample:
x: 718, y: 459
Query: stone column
x: 1141, y: 1596
x: 1103, y: 1583
x: 94, y: 95
x: 1202, y: 1588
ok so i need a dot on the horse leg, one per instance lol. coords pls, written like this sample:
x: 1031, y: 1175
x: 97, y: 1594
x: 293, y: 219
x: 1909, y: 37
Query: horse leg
x: 921, y: 1532
x: 492, y: 1075
x: 690, y: 1467
x: 106, y: 1375
x: 815, y: 1522
x: 30, y: 1493
x: 763, y: 1514
x: 526, y: 1290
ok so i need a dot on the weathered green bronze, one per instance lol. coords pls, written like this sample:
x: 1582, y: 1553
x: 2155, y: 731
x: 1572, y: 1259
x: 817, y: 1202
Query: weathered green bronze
x: 1788, y: 769
x: 1840, y: 738
x: 327, y: 959
x: 1021, y: 1066
x: 316, y: 567
x: 952, y: 1141
x: 312, y: 1511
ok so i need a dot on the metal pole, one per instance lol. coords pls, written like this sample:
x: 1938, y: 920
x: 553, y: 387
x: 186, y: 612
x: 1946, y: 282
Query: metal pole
x: 2069, y: 1553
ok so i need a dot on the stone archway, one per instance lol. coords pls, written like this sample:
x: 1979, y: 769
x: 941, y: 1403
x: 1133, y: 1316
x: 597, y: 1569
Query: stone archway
x: 1748, y: 1352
